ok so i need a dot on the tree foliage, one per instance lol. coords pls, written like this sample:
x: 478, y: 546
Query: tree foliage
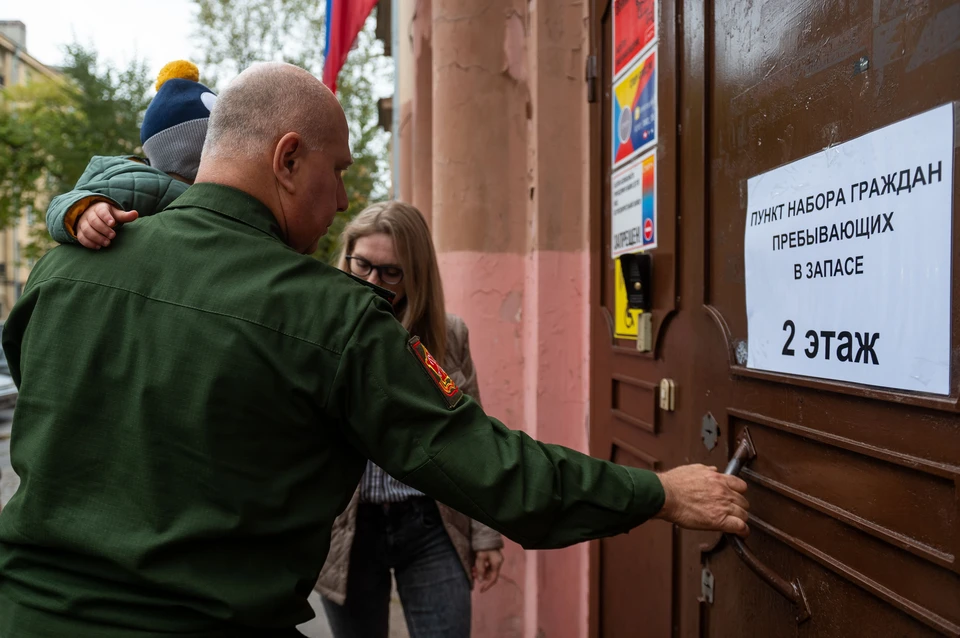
x: 49, y: 130
x: 233, y: 34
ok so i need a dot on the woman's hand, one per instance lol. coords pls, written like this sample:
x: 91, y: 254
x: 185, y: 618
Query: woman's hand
x: 486, y: 568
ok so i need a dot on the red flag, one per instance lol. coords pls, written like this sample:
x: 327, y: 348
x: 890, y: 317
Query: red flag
x: 345, y: 18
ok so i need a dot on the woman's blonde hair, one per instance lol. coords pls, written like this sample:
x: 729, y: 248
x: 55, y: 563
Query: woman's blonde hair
x: 423, y: 312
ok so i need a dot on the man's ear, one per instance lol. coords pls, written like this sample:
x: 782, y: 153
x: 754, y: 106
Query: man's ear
x: 286, y: 160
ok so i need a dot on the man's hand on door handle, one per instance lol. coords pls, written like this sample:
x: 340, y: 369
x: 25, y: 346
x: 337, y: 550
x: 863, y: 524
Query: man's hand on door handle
x: 700, y: 497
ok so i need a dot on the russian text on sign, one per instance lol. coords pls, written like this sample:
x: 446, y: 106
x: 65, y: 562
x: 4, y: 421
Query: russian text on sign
x: 849, y: 244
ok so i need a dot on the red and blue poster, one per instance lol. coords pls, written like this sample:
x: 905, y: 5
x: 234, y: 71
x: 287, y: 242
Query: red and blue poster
x: 635, y: 110
x: 634, y: 29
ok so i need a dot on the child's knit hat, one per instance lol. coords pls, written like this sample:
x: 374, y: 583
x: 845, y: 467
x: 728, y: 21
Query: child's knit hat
x: 175, y: 124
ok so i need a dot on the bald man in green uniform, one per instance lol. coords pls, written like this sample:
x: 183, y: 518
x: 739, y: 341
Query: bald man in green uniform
x: 197, y: 404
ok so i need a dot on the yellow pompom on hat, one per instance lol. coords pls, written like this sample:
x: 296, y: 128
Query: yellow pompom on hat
x: 180, y: 69
x: 175, y: 124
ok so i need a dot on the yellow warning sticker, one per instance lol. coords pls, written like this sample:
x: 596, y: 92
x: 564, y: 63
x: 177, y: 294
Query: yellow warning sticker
x: 625, y: 319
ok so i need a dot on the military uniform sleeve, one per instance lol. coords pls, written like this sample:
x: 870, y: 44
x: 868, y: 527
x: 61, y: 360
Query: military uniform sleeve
x: 15, y: 327
x: 399, y: 412
x: 471, y: 385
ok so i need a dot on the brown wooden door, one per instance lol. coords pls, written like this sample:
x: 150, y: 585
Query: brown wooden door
x: 627, y: 426
x: 855, y: 490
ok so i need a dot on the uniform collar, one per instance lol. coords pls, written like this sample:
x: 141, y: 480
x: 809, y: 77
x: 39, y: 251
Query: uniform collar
x: 233, y: 203
x: 389, y: 295
x: 249, y: 210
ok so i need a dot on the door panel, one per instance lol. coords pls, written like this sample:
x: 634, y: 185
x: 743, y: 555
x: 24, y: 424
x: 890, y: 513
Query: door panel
x: 855, y: 491
x: 786, y: 82
x: 621, y: 562
x: 889, y: 497
x: 744, y: 606
x: 665, y: 269
x: 626, y: 423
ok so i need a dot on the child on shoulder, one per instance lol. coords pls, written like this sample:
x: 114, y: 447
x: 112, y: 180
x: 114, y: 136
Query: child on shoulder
x: 116, y: 190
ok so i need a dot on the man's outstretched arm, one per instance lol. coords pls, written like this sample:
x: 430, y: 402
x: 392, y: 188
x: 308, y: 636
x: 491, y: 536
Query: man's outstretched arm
x: 400, y: 412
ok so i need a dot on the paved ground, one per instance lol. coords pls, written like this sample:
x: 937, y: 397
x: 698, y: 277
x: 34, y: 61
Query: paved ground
x: 316, y: 628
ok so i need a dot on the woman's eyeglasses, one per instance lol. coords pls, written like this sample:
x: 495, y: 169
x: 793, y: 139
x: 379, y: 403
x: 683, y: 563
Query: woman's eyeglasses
x: 388, y: 274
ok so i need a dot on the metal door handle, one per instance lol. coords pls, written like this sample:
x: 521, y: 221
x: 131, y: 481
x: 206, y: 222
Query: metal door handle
x: 792, y: 591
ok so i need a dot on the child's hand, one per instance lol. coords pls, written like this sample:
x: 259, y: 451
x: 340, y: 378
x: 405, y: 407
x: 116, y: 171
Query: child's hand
x: 95, y: 226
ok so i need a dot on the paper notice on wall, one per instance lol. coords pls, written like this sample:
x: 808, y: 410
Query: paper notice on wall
x: 634, y: 128
x: 633, y: 218
x: 847, y: 257
x: 634, y: 29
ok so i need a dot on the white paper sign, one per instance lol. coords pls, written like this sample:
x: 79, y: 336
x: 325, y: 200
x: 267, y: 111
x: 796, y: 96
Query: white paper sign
x: 634, y: 207
x: 848, y: 260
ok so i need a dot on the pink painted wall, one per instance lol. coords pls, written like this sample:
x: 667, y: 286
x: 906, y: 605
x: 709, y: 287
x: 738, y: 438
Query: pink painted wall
x: 486, y: 290
x: 557, y: 362
x: 529, y: 338
x: 506, y: 180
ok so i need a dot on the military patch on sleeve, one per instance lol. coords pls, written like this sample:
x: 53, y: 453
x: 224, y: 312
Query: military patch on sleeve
x: 451, y: 393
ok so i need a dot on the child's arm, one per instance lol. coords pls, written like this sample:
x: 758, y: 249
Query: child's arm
x: 111, y: 191
x: 64, y: 210
x: 82, y: 216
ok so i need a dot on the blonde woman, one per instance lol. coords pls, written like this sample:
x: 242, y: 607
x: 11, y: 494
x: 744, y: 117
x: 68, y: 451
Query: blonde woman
x: 434, y: 552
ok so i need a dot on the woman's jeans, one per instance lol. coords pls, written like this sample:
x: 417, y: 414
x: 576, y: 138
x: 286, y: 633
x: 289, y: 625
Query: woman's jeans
x: 409, y: 538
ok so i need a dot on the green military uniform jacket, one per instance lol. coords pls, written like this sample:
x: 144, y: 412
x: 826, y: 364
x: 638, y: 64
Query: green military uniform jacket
x: 196, y: 405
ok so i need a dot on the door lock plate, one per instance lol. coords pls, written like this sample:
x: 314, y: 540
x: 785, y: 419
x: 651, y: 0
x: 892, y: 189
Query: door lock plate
x: 709, y: 431
x: 645, y: 332
x: 706, y: 586
x: 668, y: 393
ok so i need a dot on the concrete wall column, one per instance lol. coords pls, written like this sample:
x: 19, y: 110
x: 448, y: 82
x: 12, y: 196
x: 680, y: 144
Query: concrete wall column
x: 510, y: 204
x: 404, y: 99
x: 558, y: 276
x: 422, y: 159
x: 480, y: 195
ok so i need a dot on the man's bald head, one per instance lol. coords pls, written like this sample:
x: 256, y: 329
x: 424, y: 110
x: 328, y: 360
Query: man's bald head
x: 265, y: 102
x: 278, y: 134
